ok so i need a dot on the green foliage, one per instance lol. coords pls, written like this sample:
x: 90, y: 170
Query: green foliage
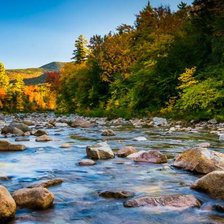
x: 81, y: 51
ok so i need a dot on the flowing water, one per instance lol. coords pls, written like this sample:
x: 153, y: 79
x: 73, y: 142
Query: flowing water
x: 77, y: 200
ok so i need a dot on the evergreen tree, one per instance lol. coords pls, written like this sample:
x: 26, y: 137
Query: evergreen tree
x: 81, y: 50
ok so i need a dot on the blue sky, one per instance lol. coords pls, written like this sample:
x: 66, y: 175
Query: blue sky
x: 36, y: 32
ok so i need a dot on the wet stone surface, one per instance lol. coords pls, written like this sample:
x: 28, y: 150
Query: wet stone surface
x: 77, y: 199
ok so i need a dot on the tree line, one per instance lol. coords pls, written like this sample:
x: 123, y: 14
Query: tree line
x: 167, y: 63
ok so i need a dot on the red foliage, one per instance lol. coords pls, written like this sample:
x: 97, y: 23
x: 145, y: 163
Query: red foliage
x: 53, y: 79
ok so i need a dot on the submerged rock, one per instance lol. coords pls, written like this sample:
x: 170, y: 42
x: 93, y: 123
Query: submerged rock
x: 7, y: 146
x: 151, y: 156
x: 43, y: 138
x: 65, y: 145
x: 200, y: 160
x: 99, y: 151
x: 22, y: 139
x: 48, y: 183
x: 166, y: 201
x: 108, y: 132
x: 87, y: 162
x: 203, y: 145
x: 126, y: 151
x: 141, y: 138
x: 116, y: 194
x: 33, y: 198
x: 7, y: 205
x: 212, y: 183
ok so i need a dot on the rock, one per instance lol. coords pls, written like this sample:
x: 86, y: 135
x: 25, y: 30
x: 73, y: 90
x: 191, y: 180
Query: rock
x: 22, y: 139
x: 33, y: 198
x: 81, y: 123
x: 28, y: 122
x: 48, y: 183
x: 99, y: 151
x: 8, y: 205
x: 166, y: 201
x: 39, y: 133
x: 135, y: 155
x: 159, y: 121
x: 201, y: 160
x: 43, y: 138
x: 141, y: 138
x: 116, y: 194
x: 212, y: 183
x: 221, y: 137
x: 16, y: 147
x: 218, y: 207
x: 17, y: 132
x: 203, y: 145
x: 7, y: 146
x: 126, y: 151
x: 212, y: 121
x: 65, y: 145
x: 108, y: 132
x: 87, y: 162
x: 152, y: 156
x: 59, y: 124
x: 23, y: 127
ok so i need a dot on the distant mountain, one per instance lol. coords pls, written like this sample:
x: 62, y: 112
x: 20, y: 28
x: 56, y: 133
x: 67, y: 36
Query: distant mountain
x: 35, y: 76
x: 53, y: 66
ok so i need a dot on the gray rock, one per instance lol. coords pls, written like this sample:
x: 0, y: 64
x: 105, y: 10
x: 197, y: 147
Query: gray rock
x: 33, y: 198
x: 8, y: 205
x: 99, y: 151
x: 22, y: 139
x: 159, y: 121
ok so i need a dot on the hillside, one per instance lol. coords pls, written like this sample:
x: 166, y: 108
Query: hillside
x: 35, y: 76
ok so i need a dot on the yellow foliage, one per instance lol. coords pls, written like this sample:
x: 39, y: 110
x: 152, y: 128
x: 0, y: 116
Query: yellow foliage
x: 187, y: 79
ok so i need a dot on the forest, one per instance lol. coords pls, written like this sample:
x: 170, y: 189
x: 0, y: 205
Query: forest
x: 167, y: 63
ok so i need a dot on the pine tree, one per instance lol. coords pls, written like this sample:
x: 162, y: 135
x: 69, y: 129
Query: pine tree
x: 81, y: 50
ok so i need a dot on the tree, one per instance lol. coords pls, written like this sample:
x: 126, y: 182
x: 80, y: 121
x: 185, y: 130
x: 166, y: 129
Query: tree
x: 81, y: 50
x: 4, y: 79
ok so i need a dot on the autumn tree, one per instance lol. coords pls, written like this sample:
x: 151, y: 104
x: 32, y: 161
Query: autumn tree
x: 81, y: 50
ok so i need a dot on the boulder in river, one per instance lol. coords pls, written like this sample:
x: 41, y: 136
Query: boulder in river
x: 7, y: 205
x: 126, y: 151
x: 108, y: 132
x: 152, y: 156
x: 33, y: 198
x: 200, y: 160
x: 203, y: 145
x: 87, y: 162
x: 116, y: 194
x: 22, y: 139
x: 81, y: 123
x: 167, y: 201
x: 39, y: 133
x: 43, y: 138
x: 65, y: 145
x: 7, y: 146
x: 23, y: 127
x: 99, y: 151
x: 212, y: 183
